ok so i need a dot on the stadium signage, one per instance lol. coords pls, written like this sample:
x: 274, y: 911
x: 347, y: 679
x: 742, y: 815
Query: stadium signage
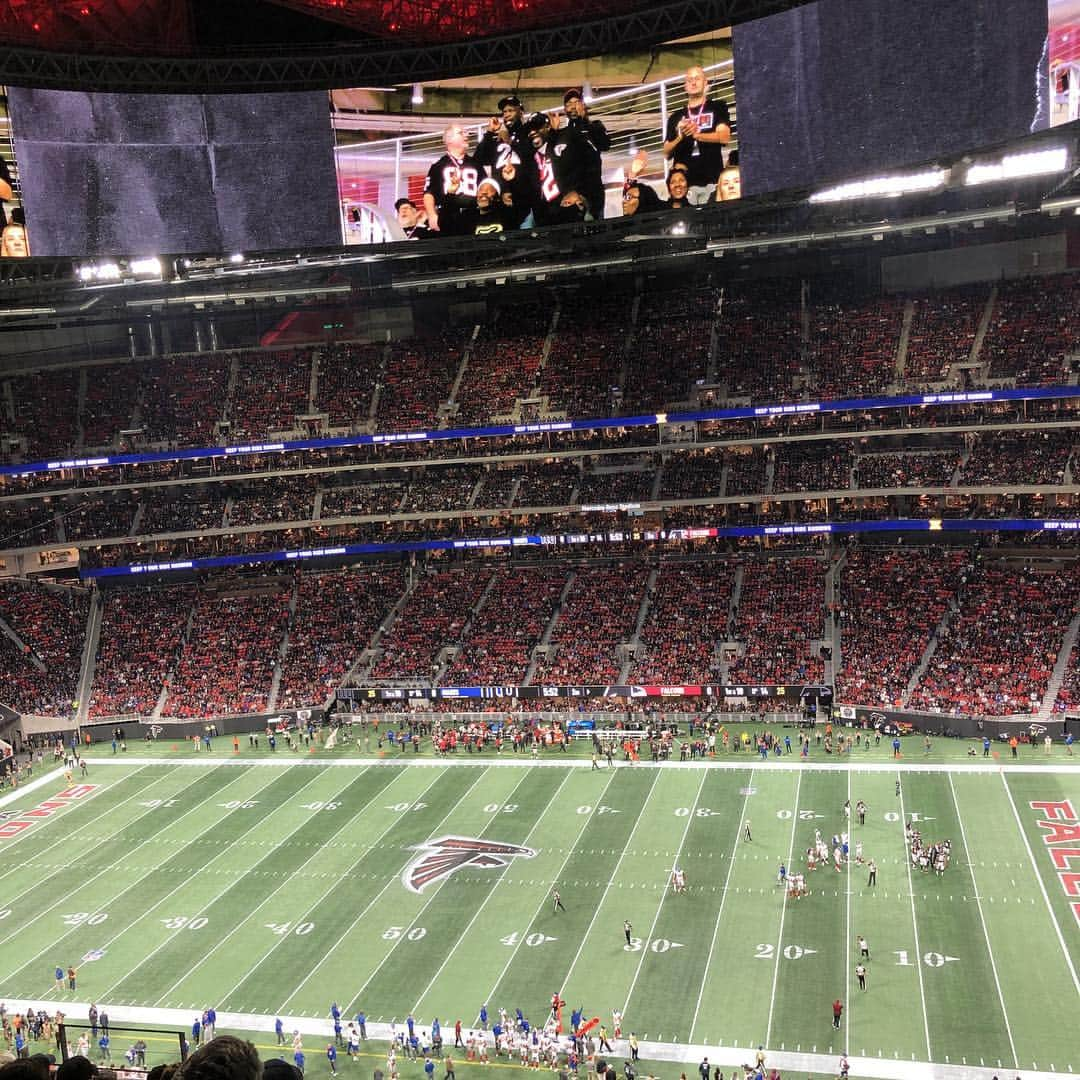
x: 1061, y: 826
x: 840, y: 528
x: 790, y: 693
x: 494, y: 431
x: 25, y: 818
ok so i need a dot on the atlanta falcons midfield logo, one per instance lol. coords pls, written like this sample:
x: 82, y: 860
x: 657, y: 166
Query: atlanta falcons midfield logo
x: 440, y: 858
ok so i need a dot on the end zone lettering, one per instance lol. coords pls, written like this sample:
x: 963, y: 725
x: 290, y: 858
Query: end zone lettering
x: 45, y: 809
x: 1060, y: 826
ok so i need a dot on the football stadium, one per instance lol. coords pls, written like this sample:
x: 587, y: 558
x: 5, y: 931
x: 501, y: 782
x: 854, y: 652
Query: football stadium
x: 539, y: 537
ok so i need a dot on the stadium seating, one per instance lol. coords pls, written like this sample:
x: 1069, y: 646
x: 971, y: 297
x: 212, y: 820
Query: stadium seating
x: 501, y: 636
x: 781, y: 610
x: 51, y: 624
x: 433, y: 618
x: 688, y: 617
x: 600, y: 613
x: 141, y: 633
x: 336, y: 615
x: 227, y: 663
x: 881, y: 645
x: 996, y: 655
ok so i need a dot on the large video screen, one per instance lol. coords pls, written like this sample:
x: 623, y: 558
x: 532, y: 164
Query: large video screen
x: 828, y: 90
x: 143, y: 175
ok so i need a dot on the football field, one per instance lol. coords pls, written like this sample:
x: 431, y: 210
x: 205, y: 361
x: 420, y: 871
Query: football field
x: 274, y: 888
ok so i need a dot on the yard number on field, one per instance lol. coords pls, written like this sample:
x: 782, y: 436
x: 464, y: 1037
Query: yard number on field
x: 417, y: 933
x: 85, y: 918
x: 183, y: 922
x: 532, y: 940
x: 930, y: 959
x: 766, y: 951
x: 403, y: 807
x: 657, y: 945
x: 804, y: 815
x: 283, y: 928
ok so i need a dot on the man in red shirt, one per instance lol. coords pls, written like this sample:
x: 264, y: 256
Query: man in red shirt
x: 837, y: 1009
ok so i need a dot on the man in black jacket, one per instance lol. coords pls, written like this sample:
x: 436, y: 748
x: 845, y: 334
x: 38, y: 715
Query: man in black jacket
x: 595, y: 141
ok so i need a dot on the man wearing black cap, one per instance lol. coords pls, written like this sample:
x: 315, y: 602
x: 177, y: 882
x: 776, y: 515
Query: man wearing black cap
x: 594, y: 141
x: 696, y: 135
x: 559, y: 161
x: 507, y: 128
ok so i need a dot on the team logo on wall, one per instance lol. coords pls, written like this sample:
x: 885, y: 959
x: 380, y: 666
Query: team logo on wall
x: 440, y: 858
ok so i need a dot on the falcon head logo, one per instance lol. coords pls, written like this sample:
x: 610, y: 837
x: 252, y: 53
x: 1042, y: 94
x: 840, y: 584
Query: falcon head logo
x: 440, y: 858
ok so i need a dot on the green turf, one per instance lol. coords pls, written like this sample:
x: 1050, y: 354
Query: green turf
x: 275, y: 890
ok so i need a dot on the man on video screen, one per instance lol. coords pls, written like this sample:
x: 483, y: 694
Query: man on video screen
x: 697, y: 134
x: 450, y: 189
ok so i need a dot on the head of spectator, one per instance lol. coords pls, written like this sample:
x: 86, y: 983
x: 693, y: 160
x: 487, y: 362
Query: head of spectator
x: 488, y: 195
x: 639, y: 198
x: 574, y: 104
x: 13, y: 242
x: 511, y: 110
x: 413, y: 221
x: 456, y: 141
x: 26, y: 1069
x: 678, y: 186
x: 729, y: 186
x: 279, y: 1069
x: 223, y: 1058
x: 78, y: 1067
x: 696, y: 84
x: 538, y: 129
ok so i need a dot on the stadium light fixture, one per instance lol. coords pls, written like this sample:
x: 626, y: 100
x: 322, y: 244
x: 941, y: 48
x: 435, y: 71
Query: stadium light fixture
x: 1018, y: 166
x: 879, y: 187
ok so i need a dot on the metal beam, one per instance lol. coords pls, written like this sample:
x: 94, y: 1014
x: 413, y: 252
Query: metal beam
x: 367, y: 66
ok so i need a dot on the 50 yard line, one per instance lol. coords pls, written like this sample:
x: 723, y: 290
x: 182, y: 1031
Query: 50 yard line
x: 491, y: 892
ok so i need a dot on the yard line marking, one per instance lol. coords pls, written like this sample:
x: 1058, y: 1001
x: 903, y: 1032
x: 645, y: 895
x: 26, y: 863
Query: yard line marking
x: 607, y: 888
x: 491, y: 893
x: 204, y: 905
x: 783, y: 912
x: 982, y: 919
x: 915, y: 927
x: 1042, y: 886
x: 664, y: 895
x: 63, y: 899
x: 435, y: 892
x: 723, y: 897
x: 540, y: 907
x: 280, y: 940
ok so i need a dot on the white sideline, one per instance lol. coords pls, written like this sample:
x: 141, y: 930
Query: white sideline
x: 749, y: 761
x: 678, y: 1053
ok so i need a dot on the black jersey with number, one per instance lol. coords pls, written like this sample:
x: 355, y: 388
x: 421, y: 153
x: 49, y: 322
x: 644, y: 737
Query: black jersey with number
x: 704, y: 161
x: 452, y: 183
x: 560, y: 168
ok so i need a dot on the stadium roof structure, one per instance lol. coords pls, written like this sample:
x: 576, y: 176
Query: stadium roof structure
x: 200, y: 46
